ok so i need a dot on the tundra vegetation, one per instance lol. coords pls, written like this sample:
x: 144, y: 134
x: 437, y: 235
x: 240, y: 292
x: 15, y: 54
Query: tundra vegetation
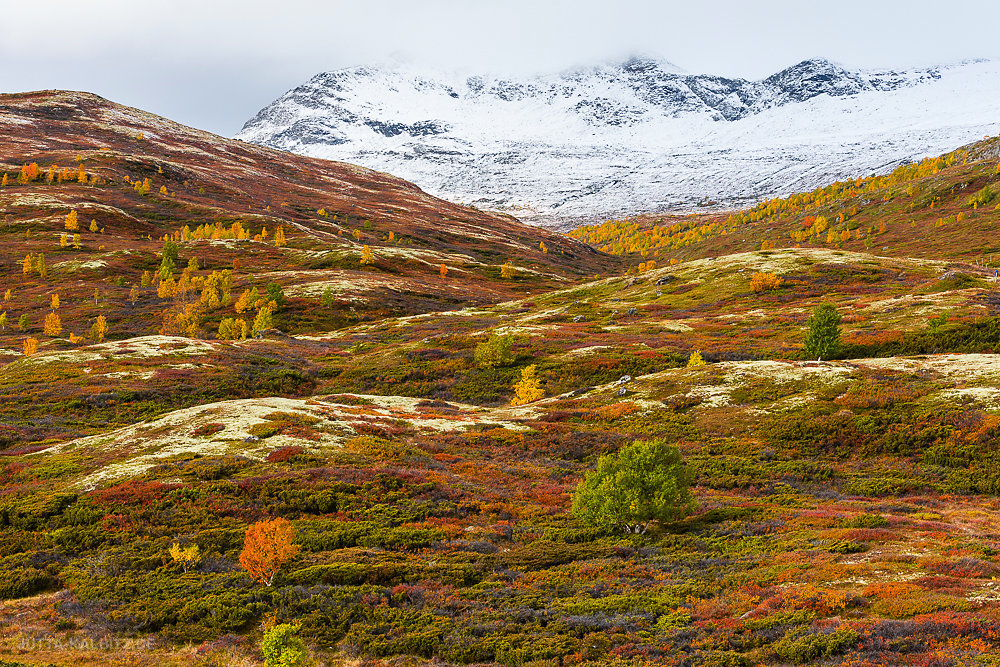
x: 237, y: 451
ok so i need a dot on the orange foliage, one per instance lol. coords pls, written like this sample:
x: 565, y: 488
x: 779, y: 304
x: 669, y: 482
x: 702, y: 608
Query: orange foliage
x: 268, y: 546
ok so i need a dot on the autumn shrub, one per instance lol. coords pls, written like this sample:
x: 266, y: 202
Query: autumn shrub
x: 268, y: 546
x: 966, y: 567
x: 284, y: 454
x: 765, y: 282
x: 378, y: 449
x: 612, y: 412
x: 873, y: 394
x: 208, y: 429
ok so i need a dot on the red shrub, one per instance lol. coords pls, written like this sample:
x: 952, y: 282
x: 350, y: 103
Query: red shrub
x: 283, y: 454
x: 208, y: 429
x: 133, y: 493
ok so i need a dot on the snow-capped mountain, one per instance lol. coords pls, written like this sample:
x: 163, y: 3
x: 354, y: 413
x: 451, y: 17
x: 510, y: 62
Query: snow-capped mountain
x: 640, y: 135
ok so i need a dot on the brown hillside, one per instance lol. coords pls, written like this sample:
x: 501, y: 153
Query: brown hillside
x: 197, y: 178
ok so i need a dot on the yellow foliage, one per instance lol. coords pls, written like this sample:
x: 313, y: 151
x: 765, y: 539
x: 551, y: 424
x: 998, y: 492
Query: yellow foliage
x: 528, y: 388
x: 186, y: 558
x: 507, y: 270
x: 695, y: 360
x: 366, y: 256
x: 763, y: 282
x: 53, y: 325
x: 99, y: 329
x: 72, y: 224
x: 30, y: 346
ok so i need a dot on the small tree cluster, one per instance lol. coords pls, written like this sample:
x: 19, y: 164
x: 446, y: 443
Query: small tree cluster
x: 53, y: 324
x: 366, y: 256
x: 233, y: 329
x: 186, y: 557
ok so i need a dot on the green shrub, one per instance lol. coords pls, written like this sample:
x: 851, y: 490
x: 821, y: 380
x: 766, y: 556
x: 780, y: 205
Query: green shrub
x: 847, y: 547
x: 495, y: 351
x: 865, y: 521
x: 282, y: 647
x: 800, y: 647
x: 823, y: 339
x: 725, y: 659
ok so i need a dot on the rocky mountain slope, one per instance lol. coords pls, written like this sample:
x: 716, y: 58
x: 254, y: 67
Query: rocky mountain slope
x: 634, y: 136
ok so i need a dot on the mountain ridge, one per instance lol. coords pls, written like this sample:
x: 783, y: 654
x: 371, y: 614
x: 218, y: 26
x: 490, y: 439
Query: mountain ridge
x: 597, y: 142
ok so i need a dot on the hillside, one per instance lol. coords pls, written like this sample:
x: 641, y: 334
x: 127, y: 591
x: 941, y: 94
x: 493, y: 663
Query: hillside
x: 327, y: 213
x: 627, y: 137
x: 945, y: 207
x: 846, y: 509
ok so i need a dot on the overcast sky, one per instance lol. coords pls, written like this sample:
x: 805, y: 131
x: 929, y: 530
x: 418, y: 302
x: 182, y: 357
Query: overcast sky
x: 214, y: 63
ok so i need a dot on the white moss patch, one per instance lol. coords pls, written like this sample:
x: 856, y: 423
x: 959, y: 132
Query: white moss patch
x: 585, y: 351
x: 987, y: 397
x: 144, y: 445
x: 737, y: 372
x: 141, y: 446
x: 952, y: 366
x: 74, y: 265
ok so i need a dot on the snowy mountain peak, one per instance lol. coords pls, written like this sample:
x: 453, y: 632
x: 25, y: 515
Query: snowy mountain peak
x: 628, y: 136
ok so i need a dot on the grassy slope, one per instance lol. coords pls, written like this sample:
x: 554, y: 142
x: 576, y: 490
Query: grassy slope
x: 923, y: 210
x: 847, y: 509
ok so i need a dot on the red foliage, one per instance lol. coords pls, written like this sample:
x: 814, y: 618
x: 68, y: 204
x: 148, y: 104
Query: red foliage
x: 208, y: 429
x: 283, y: 454
x: 133, y: 493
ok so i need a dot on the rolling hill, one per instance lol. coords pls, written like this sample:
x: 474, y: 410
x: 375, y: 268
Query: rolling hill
x: 846, y: 508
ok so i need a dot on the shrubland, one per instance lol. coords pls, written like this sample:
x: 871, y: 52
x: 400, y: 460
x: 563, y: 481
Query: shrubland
x: 800, y: 441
